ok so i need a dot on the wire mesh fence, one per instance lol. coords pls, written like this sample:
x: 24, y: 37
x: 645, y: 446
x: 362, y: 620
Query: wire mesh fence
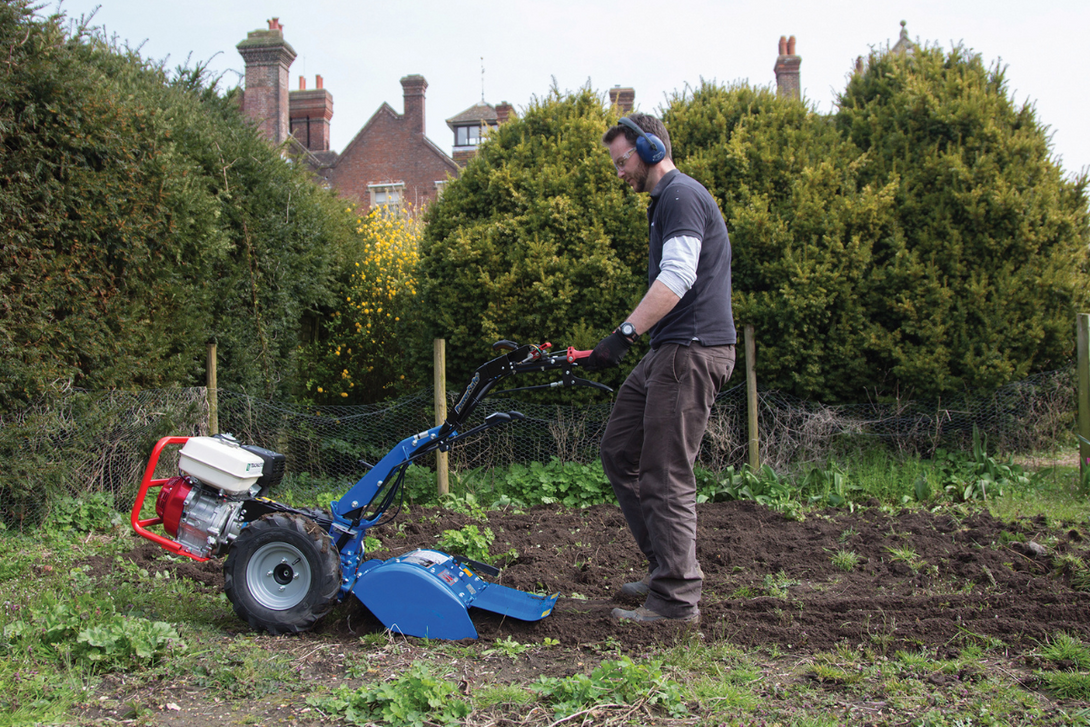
x: 99, y: 441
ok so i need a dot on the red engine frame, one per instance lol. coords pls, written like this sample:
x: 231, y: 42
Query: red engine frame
x: 141, y: 526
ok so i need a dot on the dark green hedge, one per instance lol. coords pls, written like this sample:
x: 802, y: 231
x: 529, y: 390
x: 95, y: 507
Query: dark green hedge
x: 140, y: 217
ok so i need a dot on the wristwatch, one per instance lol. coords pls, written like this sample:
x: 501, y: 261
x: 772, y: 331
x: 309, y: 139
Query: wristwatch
x: 628, y: 331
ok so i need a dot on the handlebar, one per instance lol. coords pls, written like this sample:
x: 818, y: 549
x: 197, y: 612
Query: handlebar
x: 542, y: 360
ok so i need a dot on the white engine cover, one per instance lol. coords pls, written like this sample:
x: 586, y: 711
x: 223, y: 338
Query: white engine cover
x: 220, y: 463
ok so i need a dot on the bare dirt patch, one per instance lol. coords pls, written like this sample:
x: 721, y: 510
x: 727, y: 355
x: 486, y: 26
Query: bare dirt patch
x: 923, y: 580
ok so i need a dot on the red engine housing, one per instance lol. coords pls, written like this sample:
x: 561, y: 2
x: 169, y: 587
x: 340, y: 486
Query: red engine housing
x: 170, y: 504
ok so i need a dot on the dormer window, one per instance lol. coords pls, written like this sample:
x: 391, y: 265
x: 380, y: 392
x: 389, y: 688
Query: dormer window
x: 467, y: 135
x: 471, y: 126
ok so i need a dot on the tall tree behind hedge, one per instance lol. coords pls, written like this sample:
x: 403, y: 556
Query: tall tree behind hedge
x: 988, y: 268
x: 920, y: 242
x: 141, y: 217
x: 536, y: 240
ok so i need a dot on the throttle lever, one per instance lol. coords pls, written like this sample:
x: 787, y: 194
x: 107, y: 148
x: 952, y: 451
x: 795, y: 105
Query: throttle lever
x: 573, y: 355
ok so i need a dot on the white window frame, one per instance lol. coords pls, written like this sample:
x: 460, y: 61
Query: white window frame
x: 390, y: 195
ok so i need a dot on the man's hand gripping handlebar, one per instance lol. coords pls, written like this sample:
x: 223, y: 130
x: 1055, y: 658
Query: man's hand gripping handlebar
x: 542, y: 359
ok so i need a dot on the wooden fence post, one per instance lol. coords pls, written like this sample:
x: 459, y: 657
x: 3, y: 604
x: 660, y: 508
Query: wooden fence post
x: 1082, y: 343
x: 751, y: 398
x: 442, y: 462
x: 213, y: 393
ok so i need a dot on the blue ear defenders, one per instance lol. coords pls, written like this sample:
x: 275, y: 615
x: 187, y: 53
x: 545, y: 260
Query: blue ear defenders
x: 649, y: 147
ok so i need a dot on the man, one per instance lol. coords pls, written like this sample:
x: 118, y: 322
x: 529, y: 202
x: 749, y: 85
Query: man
x: 658, y: 421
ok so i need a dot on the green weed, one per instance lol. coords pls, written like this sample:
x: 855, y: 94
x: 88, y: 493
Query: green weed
x: 473, y: 543
x: 506, y: 695
x: 613, y: 682
x: 508, y: 647
x: 107, y: 640
x: 572, y: 484
x: 415, y: 698
x: 908, y: 556
x: 1064, y: 649
x: 828, y: 674
x: 846, y: 560
x: 1067, y: 685
x: 764, y: 486
x: 777, y: 585
x: 94, y: 511
x: 829, y: 486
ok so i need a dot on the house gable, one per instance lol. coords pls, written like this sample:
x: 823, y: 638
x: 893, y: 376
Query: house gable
x: 391, y: 149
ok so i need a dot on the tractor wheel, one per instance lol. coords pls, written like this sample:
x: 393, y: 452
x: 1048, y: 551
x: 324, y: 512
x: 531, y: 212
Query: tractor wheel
x: 282, y: 573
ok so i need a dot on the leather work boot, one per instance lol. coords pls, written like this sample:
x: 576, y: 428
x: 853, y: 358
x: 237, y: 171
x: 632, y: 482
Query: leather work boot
x: 637, y: 588
x: 646, y: 615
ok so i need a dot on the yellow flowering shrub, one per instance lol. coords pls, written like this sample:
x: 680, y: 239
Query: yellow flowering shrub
x: 359, y: 357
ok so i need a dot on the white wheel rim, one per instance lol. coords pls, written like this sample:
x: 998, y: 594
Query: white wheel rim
x: 278, y: 576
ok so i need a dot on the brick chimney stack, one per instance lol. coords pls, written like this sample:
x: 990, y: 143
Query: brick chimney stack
x: 623, y: 98
x: 413, y: 88
x: 265, y: 100
x: 311, y: 112
x: 787, y: 70
x: 504, y: 111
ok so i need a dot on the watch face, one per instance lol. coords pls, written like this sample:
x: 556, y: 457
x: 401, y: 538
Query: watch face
x: 628, y: 330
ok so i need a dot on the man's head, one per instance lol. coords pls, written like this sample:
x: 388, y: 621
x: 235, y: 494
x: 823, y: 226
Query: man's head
x: 622, y: 141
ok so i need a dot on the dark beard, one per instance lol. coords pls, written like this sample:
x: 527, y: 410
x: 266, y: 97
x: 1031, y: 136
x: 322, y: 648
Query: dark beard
x: 639, y: 177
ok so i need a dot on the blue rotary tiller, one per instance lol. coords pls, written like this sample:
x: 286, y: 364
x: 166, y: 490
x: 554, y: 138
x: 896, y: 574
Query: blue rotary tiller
x: 287, y: 567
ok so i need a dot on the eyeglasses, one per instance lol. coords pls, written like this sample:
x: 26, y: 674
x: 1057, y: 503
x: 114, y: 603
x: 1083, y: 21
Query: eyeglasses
x: 621, y: 160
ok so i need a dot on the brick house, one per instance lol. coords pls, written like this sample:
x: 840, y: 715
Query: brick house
x: 390, y: 161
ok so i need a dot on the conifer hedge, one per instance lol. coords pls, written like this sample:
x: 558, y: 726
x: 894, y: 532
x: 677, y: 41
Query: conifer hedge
x: 140, y: 216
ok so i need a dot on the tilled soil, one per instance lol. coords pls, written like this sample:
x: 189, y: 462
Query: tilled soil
x: 768, y: 580
x: 922, y: 579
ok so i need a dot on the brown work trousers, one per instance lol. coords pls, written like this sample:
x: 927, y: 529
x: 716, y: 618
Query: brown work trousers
x: 648, y: 450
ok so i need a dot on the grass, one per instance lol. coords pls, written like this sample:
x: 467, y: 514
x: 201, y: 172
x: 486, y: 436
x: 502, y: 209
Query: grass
x: 846, y: 560
x: 1056, y: 493
x: 47, y: 677
x: 907, y: 556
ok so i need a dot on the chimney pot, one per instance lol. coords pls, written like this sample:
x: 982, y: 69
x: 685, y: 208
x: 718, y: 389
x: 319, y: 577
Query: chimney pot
x: 318, y: 82
x: 302, y: 83
x: 274, y: 24
x: 787, y: 70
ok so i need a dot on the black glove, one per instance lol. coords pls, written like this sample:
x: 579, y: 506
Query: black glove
x: 609, y: 352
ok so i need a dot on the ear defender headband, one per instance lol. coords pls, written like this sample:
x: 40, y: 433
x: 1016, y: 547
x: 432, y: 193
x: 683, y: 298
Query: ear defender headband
x: 649, y: 147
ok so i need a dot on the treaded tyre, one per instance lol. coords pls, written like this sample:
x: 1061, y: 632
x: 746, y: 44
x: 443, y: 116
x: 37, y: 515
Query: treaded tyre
x: 282, y: 573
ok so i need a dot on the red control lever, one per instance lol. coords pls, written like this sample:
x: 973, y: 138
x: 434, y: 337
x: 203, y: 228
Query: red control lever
x: 573, y: 354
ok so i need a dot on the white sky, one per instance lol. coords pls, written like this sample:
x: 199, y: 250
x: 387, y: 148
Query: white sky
x: 363, y: 48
